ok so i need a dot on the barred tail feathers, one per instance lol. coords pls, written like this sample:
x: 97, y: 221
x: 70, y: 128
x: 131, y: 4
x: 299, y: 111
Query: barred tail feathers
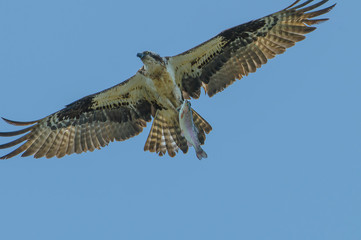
x: 202, y: 126
x: 165, y: 134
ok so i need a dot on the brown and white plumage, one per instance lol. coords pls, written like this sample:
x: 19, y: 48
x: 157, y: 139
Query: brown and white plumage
x: 161, y: 85
x: 165, y: 134
x: 240, y: 50
x: 92, y: 122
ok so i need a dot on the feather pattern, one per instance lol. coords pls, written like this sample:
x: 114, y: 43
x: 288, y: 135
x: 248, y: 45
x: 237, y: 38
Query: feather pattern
x: 165, y: 134
x: 243, y: 49
x: 159, y: 88
x: 117, y: 113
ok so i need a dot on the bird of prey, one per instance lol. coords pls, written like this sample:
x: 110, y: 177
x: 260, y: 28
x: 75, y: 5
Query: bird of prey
x: 160, y: 87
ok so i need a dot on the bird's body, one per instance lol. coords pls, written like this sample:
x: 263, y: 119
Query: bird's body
x: 161, y: 78
x: 160, y: 87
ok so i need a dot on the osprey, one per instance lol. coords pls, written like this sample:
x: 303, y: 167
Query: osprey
x: 161, y: 86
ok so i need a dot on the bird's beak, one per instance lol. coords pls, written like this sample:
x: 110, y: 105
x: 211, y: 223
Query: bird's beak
x: 140, y: 55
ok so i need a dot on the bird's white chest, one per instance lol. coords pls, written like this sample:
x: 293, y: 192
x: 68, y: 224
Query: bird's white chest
x: 168, y: 92
x: 176, y: 89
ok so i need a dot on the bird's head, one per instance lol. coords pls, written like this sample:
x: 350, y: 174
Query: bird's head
x: 151, y: 59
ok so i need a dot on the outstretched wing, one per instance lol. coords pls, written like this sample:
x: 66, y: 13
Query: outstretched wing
x: 92, y: 122
x: 240, y: 50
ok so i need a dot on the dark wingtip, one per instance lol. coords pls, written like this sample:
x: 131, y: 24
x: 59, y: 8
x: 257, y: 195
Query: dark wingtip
x: 5, y: 157
x: 15, y: 142
x: 293, y: 4
x: 309, y: 8
x: 293, y: 7
x: 331, y: 7
x: 15, y: 133
x: 18, y: 123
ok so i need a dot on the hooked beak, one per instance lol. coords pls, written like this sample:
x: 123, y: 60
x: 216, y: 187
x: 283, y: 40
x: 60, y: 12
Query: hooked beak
x: 140, y: 55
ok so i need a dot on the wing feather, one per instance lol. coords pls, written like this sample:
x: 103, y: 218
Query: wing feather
x: 15, y: 133
x: 19, y: 149
x: 63, y: 146
x: 298, y: 6
x: 77, y: 139
x: 18, y: 123
x: 90, y: 123
x: 55, y: 145
x: 71, y: 143
x: 15, y: 142
x: 98, y: 135
x: 42, y: 151
x: 243, y: 49
x: 88, y: 137
x: 36, y: 144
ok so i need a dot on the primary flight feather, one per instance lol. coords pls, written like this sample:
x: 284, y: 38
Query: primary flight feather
x: 160, y: 88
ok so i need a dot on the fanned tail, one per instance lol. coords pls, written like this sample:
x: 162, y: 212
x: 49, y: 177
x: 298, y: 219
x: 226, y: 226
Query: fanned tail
x: 165, y: 134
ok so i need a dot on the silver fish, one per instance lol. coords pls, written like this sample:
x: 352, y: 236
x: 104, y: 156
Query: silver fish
x: 189, y: 130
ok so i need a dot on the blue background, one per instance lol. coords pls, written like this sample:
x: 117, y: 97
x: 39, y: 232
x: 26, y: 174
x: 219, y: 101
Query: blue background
x: 284, y: 153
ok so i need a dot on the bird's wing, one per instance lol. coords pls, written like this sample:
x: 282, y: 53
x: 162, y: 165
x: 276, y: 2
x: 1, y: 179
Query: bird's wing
x: 117, y: 113
x: 240, y: 50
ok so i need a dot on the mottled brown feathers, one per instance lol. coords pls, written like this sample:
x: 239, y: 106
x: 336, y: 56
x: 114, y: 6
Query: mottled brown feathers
x: 243, y: 49
x: 84, y: 125
x: 159, y: 87
x: 17, y: 123
x: 165, y: 134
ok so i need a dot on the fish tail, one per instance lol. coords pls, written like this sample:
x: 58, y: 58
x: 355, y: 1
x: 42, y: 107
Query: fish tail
x: 201, y: 153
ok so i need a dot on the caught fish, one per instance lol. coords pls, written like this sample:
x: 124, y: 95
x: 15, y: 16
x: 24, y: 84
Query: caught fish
x: 189, y: 130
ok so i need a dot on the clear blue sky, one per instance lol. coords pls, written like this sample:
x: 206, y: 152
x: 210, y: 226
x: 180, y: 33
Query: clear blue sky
x: 284, y: 156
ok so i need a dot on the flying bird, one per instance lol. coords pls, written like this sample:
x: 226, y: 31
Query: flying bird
x: 160, y: 87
